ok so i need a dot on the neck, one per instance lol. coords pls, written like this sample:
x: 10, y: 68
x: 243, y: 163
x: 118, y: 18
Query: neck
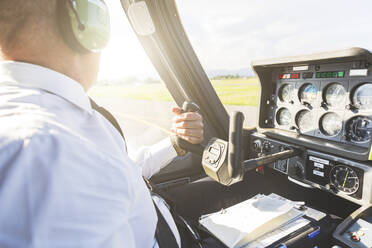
x: 80, y: 67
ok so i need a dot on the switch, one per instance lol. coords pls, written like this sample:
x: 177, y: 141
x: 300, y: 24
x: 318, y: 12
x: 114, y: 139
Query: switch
x: 355, y: 238
x: 267, y: 146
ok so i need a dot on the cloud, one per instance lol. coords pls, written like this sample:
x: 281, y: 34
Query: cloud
x: 230, y: 34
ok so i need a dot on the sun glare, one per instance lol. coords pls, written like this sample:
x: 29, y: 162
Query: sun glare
x: 124, y: 56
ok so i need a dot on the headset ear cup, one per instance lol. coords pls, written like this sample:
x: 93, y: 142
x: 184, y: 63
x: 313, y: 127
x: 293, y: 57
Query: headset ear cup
x: 84, y: 24
x: 65, y: 27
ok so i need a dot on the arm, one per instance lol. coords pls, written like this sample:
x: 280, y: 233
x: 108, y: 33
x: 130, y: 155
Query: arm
x: 153, y: 158
x: 188, y: 126
x: 52, y: 196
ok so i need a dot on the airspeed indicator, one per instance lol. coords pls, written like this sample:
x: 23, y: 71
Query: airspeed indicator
x: 286, y: 93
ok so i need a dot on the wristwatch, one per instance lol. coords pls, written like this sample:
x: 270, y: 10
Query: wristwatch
x: 179, y: 150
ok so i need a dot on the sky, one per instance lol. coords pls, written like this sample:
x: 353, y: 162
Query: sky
x: 230, y: 34
x: 124, y: 56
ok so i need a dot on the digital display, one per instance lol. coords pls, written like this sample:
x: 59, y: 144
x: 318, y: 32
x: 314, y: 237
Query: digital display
x: 330, y: 74
x: 214, y: 151
x: 307, y: 75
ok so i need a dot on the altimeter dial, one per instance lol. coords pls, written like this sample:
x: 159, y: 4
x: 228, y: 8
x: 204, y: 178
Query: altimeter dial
x: 334, y: 95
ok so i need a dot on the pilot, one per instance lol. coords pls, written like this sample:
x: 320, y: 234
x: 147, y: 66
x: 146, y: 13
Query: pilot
x: 65, y: 177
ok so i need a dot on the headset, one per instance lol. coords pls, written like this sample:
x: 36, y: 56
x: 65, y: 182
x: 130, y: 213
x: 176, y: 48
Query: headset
x: 84, y: 24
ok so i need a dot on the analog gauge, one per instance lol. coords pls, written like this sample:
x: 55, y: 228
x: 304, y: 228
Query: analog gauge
x: 331, y: 124
x: 304, y: 120
x: 344, y: 179
x: 286, y: 93
x: 359, y: 129
x: 362, y: 96
x: 308, y: 93
x: 335, y: 95
x: 283, y: 116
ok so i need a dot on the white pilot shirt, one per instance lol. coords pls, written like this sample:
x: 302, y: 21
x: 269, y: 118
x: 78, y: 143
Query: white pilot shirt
x: 65, y: 177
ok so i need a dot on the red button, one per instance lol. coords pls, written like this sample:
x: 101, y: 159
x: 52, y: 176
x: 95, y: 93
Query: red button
x: 260, y: 169
x: 355, y: 238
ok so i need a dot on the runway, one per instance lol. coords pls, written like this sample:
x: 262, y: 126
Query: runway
x: 146, y: 122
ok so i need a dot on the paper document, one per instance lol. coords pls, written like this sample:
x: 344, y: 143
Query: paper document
x: 243, y: 223
x: 277, y: 234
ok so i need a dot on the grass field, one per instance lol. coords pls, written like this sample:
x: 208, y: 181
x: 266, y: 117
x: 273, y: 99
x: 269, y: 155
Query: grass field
x: 230, y: 91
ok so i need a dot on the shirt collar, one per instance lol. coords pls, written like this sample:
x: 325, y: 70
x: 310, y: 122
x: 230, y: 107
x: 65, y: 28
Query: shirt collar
x: 46, y: 79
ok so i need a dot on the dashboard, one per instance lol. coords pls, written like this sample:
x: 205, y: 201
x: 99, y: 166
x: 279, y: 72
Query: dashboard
x: 321, y: 105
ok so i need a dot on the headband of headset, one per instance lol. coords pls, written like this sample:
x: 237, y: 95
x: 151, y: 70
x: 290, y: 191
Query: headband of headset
x: 85, y: 24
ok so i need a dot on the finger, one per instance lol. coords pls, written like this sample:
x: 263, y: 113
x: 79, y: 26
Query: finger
x: 189, y: 124
x: 177, y: 110
x: 189, y: 116
x: 198, y: 133
x: 192, y: 140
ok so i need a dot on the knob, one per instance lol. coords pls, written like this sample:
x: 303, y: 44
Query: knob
x: 331, y: 187
x: 324, y: 105
x: 268, y: 122
x: 299, y: 170
x: 308, y: 105
x: 257, y: 146
x: 295, y: 128
x: 351, y: 107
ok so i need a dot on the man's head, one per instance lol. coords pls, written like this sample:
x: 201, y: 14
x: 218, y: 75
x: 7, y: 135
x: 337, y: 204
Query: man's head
x: 30, y: 31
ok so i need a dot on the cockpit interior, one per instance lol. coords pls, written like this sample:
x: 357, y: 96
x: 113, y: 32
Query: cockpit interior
x: 311, y: 144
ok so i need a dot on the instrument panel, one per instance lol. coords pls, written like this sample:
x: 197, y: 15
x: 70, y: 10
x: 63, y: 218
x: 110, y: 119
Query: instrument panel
x: 321, y: 106
x: 329, y: 101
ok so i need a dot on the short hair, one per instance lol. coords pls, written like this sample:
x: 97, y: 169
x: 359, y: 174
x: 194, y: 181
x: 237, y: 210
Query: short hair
x: 19, y: 16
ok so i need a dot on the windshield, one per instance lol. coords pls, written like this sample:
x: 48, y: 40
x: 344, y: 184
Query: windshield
x: 130, y: 88
x: 228, y: 35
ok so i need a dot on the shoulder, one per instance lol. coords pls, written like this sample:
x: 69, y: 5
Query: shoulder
x: 29, y: 114
x: 43, y: 132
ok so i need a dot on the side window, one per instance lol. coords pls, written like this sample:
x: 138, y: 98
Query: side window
x: 130, y: 88
x: 228, y: 35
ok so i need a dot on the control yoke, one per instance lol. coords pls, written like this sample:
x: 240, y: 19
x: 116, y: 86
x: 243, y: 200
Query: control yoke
x: 185, y: 145
x: 223, y: 161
